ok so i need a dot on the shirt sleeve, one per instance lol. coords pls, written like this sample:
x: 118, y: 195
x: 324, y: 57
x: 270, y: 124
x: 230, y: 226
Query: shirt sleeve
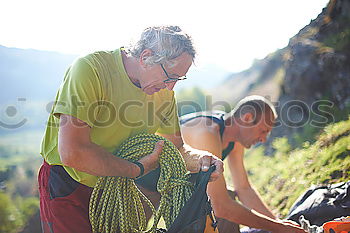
x: 80, y: 93
x: 170, y: 123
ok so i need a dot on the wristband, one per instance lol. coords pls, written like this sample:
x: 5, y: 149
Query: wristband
x: 142, y: 169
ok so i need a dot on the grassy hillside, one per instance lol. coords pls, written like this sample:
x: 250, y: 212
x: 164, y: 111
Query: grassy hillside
x: 285, y: 175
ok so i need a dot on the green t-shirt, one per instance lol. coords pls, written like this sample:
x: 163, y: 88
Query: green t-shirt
x: 97, y: 90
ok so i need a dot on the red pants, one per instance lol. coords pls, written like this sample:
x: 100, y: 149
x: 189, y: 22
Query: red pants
x: 64, y: 203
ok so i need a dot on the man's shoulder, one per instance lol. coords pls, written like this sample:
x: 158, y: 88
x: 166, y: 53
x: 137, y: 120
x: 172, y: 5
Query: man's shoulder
x: 100, y: 64
x: 100, y: 56
x: 203, y: 126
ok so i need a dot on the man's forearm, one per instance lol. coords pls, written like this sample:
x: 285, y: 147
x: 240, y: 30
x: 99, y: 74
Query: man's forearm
x: 251, y: 199
x: 97, y: 161
x: 235, y: 212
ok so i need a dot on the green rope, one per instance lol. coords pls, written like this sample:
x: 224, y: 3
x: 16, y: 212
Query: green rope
x: 116, y: 202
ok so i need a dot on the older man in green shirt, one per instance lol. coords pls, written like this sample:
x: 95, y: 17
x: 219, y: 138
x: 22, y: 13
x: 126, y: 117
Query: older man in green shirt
x: 105, y: 98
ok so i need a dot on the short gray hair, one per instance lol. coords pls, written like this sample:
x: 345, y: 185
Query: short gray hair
x: 166, y: 43
x: 255, y: 104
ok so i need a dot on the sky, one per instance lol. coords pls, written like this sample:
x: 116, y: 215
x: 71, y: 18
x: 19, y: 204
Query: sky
x: 228, y: 34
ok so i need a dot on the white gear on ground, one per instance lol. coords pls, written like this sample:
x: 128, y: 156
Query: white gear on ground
x: 305, y: 224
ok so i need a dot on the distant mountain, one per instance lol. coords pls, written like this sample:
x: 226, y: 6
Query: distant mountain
x: 29, y: 81
x: 204, y: 77
x: 262, y: 78
x: 31, y: 74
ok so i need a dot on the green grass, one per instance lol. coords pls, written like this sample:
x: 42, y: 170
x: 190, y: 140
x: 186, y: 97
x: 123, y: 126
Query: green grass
x: 283, y: 177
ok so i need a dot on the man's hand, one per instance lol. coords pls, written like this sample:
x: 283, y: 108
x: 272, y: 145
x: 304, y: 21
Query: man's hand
x: 151, y: 161
x: 207, y: 160
x: 197, y: 160
x: 287, y: 226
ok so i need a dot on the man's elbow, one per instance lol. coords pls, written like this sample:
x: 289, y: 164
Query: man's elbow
x: 69, y: 154
x: 243, y: 190
x: 221, y: 210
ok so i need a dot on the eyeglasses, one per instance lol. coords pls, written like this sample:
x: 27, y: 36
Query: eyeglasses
x: 171, y: 78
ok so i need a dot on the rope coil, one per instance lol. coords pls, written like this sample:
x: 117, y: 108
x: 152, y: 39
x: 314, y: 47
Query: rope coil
x: 116, y: 202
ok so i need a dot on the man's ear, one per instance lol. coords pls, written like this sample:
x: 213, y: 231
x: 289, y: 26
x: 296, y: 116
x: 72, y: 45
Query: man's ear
x: 144, y: 56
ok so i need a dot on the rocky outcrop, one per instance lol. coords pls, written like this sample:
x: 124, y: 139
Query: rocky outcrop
x: 309, y: 80
x: 316, y: 85
x: 319, y: 58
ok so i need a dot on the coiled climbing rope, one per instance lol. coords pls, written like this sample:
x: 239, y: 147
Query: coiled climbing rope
x: 116, y: 202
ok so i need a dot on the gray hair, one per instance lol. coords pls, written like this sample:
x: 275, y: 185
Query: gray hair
x: 166, y: 43
x: 255, y: 104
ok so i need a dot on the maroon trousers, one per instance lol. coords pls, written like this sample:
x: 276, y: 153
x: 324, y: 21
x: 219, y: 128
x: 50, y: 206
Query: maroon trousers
x: 64, y: 203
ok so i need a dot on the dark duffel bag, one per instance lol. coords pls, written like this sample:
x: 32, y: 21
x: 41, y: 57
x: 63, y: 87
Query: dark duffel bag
x: 322, y: 204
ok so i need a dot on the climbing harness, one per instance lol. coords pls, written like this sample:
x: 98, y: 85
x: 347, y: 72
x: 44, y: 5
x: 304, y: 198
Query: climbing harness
x: 116, y: 202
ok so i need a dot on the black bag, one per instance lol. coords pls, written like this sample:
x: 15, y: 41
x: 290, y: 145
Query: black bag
x: 196, y: 216
x: 193, y: 216
x: 322, y: 204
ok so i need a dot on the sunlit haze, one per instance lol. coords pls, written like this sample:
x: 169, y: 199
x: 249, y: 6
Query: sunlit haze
x: 229, y: 34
